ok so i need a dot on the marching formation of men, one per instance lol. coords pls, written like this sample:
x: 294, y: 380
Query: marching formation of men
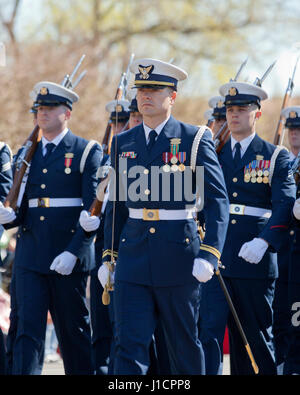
x: 193, y: 235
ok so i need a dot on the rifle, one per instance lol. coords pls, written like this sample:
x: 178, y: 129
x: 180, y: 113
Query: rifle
x: 120, y: 94
x: 279, y: 133
x: 222, y: 135
x: 21, y: 165
x: 22, y: 162
x: 96, y: 206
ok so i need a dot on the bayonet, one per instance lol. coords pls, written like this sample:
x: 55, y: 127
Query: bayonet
x: 290, y: 86
x: 259, y: 81
x: 240, y: 70
x: 67, y: 81
x: 125, y: 76
x: 79, y: 79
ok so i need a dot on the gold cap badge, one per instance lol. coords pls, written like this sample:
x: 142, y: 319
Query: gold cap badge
x: 232, y: 91
x: 145, y: 71
x: 220, y: 104
x: 44, y: 91
x: 293, y: 114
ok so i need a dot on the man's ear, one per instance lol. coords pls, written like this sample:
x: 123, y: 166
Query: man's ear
x: 68, y: 114
x: 173, y: 96
x: 258, y: 114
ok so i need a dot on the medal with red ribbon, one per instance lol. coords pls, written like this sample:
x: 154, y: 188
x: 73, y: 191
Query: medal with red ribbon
x: 68, y: 161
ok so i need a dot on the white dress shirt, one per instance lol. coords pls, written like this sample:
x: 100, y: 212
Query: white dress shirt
x: 55, y: 141
x: 158, y: 129
x: 244, y: 144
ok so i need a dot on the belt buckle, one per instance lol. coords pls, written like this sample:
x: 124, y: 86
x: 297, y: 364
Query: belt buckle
x: 238, y: 209
x: 150, y: 214
x: 43, y: 202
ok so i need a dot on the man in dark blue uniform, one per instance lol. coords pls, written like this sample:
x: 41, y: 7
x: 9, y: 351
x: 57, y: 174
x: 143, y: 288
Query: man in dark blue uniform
x: 101, y: 317
x: 261, y: 190
x: 160, y: 260
x: 212, y: 317
x: 53, y: 254
x: 282, y: 305
x: 292, y: 351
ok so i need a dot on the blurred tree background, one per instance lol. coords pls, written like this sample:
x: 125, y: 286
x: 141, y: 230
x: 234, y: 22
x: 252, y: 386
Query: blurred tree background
x: 44, y: 40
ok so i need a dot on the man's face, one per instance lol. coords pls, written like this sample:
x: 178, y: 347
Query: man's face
x: 52, y: 118
x: 155, y: 102
x: 294, y: 138
x: 135, y: 119
x: 241, y: 119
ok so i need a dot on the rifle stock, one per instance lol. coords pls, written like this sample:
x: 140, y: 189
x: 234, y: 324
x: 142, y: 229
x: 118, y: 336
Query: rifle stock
x: 221, y: 137
x: 96, y: 206
x: 22, y: 163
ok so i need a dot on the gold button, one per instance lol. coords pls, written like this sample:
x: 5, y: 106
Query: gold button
x: 45, y: 170
x: 43, y: 186
x: 42, y: 218
x: 19, y: 236
x: 233, y: 221
x: 187, y: 240
x: 234, y: 194
x: 123, y: 240
x: 152, y: 230
x: 124, y: 171
x: 146, y: 171
x: 292, y: 232
x: 234, y: 179
x: 147, y: 192
x: 72, y: 230
x: 24, y: 229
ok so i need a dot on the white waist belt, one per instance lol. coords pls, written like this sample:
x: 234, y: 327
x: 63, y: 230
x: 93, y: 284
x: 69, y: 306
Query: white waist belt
x: 241, y: 209
x: 160, y: 214
x: 55, y: 202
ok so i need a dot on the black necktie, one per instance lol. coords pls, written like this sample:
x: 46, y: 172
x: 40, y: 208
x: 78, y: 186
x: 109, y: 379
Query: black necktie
x: 49, y: 147
x: 152, y: 137
x: 237, y: 155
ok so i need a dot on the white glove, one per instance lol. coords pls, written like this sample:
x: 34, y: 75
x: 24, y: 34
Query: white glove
x: 296, y: 209
x: 202, y: 270
x: 88, y: 223
x: 7, y: 214
x: 103, y: 274
x: 64, y: 263
x: 254, y: 250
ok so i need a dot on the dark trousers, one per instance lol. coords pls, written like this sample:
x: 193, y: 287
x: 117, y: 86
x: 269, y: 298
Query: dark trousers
x: 101, y: 327
x: 64, y: 297
x: 137, y: 310
x: 292, y: 363
x: 2, y: 354
x: 252, y: 299
x: 282, y: 323
x: 212, y: 324
x: 12, y: 334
